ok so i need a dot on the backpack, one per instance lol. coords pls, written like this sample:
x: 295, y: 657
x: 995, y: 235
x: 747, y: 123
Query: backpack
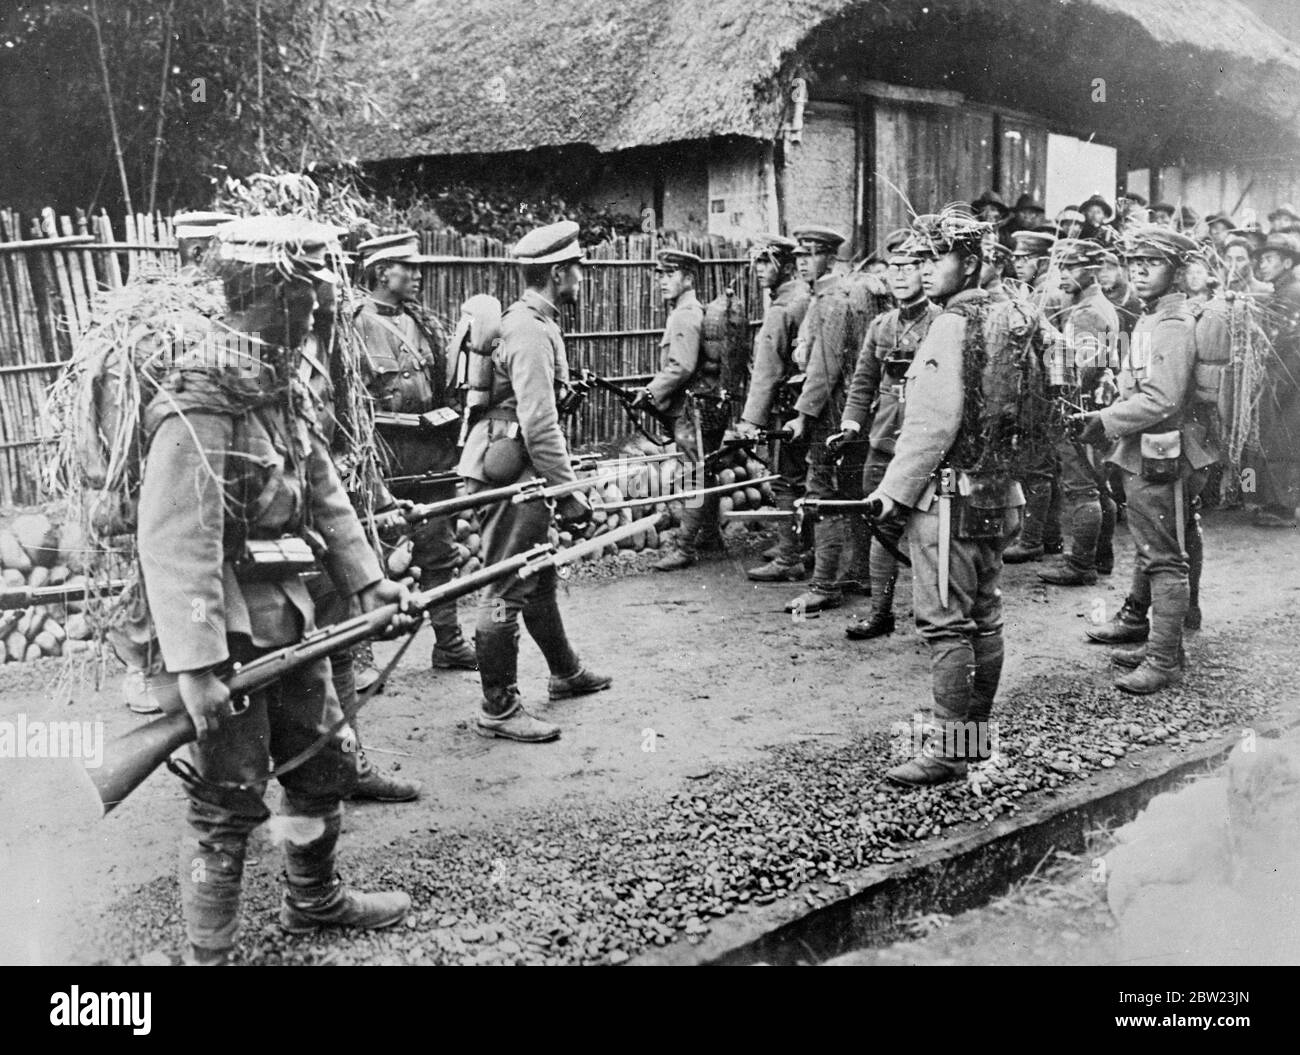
x: 725, y: 343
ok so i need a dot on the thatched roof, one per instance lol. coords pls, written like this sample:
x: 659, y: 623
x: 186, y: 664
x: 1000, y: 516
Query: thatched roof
x: 494, y: 76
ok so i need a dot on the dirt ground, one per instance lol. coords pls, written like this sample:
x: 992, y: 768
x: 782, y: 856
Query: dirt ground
x: 711, y: 677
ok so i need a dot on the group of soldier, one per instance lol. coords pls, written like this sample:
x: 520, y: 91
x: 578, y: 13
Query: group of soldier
x: 944, y: 398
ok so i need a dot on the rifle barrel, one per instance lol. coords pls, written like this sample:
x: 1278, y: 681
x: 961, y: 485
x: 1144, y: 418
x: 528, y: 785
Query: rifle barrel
x: 447, y: 506
x: 580, y: 549
x: 698, y: 492
x: 25, y: 597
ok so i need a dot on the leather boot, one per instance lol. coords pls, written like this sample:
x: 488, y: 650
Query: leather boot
x: 373, y: 784
x: 1195, y: 564
x: 1132, y: 658
x: 581, y: 683
x: 1129, y: 625
x: 1085, y: 530
x: 1160, y: 668
x: 778, y: 571
x: 945, y: 749
x: 877, y: 624
x: 545, y: 626
x: 1029, y: 545
x: 675, y: 559
x: 451, y: 651
x: 504, y: 717
x: 316, y: 897
x: 855, y: 559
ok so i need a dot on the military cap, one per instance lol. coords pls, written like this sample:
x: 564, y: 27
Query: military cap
x: 1157, y: 241
x: 1218, y: 217
x: 773, y: 247
x: 1251, y: 235
x: 1097, y: 199
x: 895, y: 240
x: 955, y: 227
x: 295, y: 246
x: 556, y: 243
x: 1286, y: 210
x: 669, y: 260
x: 402, y: 248
x: 990, y: 197
x: 199, y: 224
x: 1028, y: 201
x: 1032, y: 243
x: 815, y: 235
x: 1163, y: 206
x: 995, y: 252
x: 1070, y: 215
x: 1077, y: 252
x: 1109, y: 256
x: 1133, y: 196
x: 1284, y: 242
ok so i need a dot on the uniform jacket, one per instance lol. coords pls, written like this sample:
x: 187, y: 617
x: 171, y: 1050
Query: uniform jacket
x: 679, y: 354
x: 1091, y: 328
x: 1156, y: 385
x: 527, y: 366
x: 219, y: 469
x: 875, y: 393
x: 405, y: 368
x: 935, y: 399
x: 1284, y: 329
x: 774, y: 349
x: 828, y: 334
x: 1051, y: 300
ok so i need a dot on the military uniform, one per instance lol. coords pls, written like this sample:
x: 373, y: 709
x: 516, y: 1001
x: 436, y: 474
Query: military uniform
x: 404, y: 365
x: 519, y: 437
x: 963, y: 631
x: 1164, y: 454
x: 685, y: 372
x: 231, y: 462
x: 767, y: 402
x: 1091, y: 338
x: 1279, y: 419
x: 875, y: 406
x: 831, y: 337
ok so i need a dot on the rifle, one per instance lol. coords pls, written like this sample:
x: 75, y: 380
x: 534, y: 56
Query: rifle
x: 589, y: 379
x: 819, y: 507
x: 130, y: 758
x: 522, y: 491
x: 745, y: 443
x: 25, y: 597
x: 448, y: 476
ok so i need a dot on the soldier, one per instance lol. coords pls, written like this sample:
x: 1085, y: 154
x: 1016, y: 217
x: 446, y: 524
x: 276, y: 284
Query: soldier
x: 1163, y: 452
x: 1091, y: 342
x: 875, y: 403
x: 770, y: 398
x: 406, y: 371
x: 1279, y: 420
x: 1099, y: 217
x: 1219, y: 225
x: 234, y: 465
x: 519, y: 438
x: 1069, y: 223
x: 954, y: 431
x: 994, y: 268
x: 1162, y: 214
x: 1114, y: 283
x: 1285, y: 218
x: 1127, y: 203
x: 697, y: 429
x: 991, y: 209
x: 1238, y: 270
x: 828, y: 340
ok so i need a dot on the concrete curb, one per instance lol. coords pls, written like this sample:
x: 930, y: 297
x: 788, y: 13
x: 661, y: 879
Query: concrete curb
x: 951, y: 876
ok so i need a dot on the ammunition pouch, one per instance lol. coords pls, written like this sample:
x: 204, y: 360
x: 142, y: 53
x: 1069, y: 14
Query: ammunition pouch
x: 1162, y: 454
x: 271, y: 560
x: 713, y: 410
x: 981, y: 505
x: 787, y: 395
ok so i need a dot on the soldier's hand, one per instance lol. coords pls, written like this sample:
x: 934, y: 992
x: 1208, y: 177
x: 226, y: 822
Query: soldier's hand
x: 847, y: 434
x: 573, y: 511
x: 885, y: 505
x: 1088, y: 428
x: 383, y: 592
x: 747, y: 430
x: 206, y: 699
x: 796, y: 427
x: 643, y: 399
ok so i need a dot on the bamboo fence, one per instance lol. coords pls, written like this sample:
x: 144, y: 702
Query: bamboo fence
x: 52, y: 266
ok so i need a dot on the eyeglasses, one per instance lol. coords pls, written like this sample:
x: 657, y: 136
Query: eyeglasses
x: 910, y: 268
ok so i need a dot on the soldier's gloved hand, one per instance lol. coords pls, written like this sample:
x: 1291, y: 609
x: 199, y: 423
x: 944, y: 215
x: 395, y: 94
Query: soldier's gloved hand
x: 206, y: 699
x: 383, y: 592
x: 1088, y: 428
x: 573, y: 511
x: 796, y: 427
x: 747, y: 430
